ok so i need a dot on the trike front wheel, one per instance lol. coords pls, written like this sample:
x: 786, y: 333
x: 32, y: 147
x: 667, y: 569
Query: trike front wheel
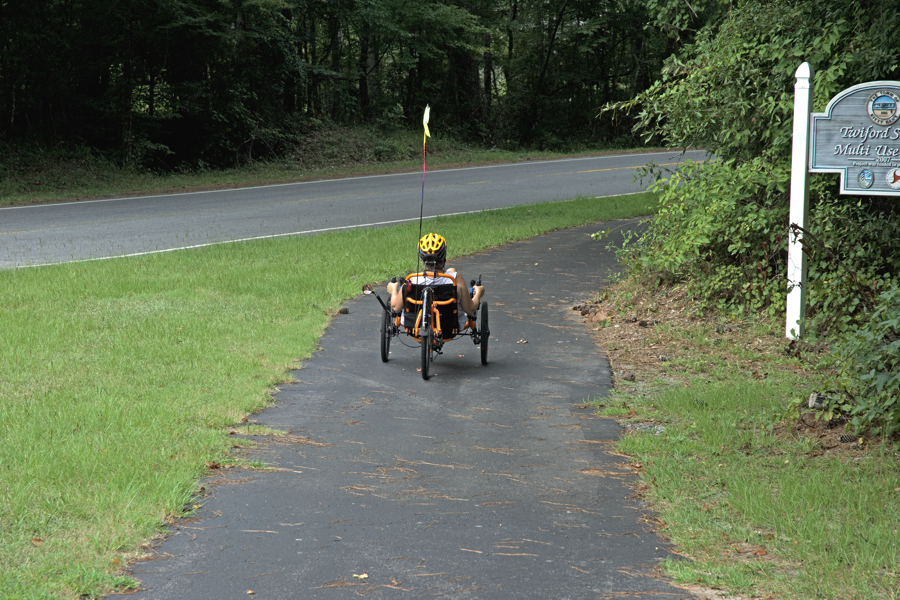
x: 386, y: 330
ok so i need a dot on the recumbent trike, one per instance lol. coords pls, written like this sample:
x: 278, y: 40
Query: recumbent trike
x: 430, y: 316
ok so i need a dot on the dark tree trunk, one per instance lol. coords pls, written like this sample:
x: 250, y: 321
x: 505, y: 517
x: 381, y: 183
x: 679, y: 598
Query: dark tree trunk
x: 372, y: 75
x: 488, y: 70
x: 313, y: 83
x: 363, y: 78
x: 461, y: 96
x: 334, y: 49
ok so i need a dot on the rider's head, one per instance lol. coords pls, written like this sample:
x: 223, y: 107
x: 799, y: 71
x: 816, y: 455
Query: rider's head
x: 433, y: 251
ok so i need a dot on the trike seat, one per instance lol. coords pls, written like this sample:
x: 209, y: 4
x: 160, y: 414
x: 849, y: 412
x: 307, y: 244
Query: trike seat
x: 444, y: 298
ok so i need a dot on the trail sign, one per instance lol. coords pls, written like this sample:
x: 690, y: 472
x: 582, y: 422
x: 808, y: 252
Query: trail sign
x: 858, y: 136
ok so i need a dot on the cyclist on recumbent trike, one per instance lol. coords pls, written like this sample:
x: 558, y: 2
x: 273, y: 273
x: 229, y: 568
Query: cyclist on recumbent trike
x: 433, y: 254
x: 434, y: 306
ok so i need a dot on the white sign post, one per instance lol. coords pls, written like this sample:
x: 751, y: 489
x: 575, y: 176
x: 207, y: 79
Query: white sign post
x: 796, y: 267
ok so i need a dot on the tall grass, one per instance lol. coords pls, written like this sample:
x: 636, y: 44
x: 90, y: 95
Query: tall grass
x: 118, y: 378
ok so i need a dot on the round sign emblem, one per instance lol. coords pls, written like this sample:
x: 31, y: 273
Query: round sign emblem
x: 865, y: 179
x: 893, y: 179
x: 884, y: 107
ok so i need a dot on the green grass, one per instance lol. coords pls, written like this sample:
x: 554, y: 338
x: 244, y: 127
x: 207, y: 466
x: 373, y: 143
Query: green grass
x: 761, y: 514
x: 120, y: 379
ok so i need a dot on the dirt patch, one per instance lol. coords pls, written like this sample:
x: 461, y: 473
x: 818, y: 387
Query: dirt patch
x: 831, y: 437
x: 642, y: 331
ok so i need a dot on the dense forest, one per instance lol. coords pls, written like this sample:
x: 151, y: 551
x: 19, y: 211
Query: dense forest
x: 168, y: 83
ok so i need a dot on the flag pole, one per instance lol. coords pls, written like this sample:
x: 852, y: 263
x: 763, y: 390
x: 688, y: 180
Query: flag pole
x: 424, y: 161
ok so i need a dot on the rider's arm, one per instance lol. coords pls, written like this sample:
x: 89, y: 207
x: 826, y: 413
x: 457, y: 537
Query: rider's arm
x: 396, y: 295
x: 468, y: 303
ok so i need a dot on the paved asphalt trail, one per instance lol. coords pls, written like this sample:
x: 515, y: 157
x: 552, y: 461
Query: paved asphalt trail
x: 483, y: 482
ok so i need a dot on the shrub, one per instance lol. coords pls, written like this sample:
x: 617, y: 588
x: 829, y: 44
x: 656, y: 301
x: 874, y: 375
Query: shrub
x: 869, y: 368
x: 721, y: 227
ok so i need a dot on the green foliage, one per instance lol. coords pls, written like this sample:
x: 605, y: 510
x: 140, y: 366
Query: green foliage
x: 868, y: 361
x: 681, y: 20
x: 853, y: 255
x: 723, y: 227
x: 732, y: 90
x: 726, y: 237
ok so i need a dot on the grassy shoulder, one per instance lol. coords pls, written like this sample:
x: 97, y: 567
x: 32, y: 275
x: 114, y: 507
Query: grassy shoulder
x: 50, y: 175
x: 120, y: 380
x: 764, y: 497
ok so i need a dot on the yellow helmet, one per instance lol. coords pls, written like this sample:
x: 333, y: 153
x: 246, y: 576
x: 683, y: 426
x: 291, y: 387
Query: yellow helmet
x: 432, y: 248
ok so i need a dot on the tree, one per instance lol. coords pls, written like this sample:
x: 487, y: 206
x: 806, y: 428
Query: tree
x: 563, y: 59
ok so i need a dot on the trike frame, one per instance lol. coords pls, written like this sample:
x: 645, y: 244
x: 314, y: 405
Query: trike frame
x: 427, y: 328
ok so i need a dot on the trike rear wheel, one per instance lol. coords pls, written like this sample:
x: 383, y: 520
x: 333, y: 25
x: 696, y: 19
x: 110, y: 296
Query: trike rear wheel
x: 485, y: 333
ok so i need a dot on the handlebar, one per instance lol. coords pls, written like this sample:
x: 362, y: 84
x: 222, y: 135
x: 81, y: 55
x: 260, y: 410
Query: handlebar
x: 472, y: 284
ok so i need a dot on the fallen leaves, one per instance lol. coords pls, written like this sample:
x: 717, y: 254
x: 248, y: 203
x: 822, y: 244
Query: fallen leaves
x: 581, y: 570
x: 257, y: 531
x: 297, y: 440
x: 597, y: 472
x: 507, y: 451
x: 338, y: 583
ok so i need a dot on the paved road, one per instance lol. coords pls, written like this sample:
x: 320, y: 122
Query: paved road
x: 81, y: 230
x: 483, y: 482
